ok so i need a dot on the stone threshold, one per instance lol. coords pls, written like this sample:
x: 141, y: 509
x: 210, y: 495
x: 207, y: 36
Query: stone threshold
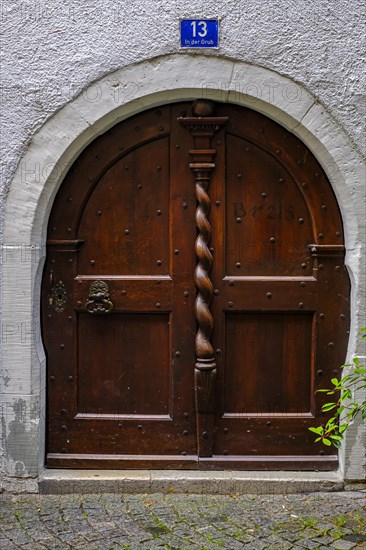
x: 173, y: 481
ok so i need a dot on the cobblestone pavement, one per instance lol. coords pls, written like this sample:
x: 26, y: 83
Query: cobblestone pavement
x: 201, y: 522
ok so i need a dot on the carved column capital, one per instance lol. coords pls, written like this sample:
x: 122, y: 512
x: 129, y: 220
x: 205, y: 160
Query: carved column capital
x: 202, y: 129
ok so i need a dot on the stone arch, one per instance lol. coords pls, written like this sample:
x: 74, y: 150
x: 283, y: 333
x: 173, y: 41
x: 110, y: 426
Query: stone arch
x: 59, y: 142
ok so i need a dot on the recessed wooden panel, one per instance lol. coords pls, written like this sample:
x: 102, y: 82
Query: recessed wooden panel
x: 130, y: 372
x: 267, y: 219
x: 125, y: 223
x: 268, y: 361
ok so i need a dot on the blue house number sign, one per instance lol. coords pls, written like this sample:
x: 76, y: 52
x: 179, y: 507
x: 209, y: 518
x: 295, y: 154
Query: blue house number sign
x: 199, y: 33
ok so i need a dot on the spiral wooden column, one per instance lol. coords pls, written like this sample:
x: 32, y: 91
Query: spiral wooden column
x: 202, y: 127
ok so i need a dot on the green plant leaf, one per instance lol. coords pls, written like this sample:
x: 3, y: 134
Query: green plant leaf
x: 318, y: 430
x: 347, y: 394
x: 331, y: 427
x: 348, y: 385
x: 329, y: 406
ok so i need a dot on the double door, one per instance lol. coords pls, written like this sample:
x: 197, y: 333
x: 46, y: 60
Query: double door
x: 194, y: 296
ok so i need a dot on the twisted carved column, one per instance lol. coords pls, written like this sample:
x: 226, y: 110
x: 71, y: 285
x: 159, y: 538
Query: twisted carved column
x: 202, y: 127
x: 204, y: 349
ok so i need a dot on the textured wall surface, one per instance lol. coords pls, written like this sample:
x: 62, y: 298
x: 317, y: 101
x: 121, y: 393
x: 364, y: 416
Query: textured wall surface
x: 54, y: 50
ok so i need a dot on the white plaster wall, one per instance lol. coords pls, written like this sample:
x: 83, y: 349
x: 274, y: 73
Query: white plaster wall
x: 54, y: 50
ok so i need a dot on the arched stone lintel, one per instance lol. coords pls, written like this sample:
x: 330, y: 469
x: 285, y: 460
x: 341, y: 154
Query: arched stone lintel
x: 113, y: 98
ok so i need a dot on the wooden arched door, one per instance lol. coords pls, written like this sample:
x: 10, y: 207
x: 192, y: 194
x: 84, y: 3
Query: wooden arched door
x: 184, y: 335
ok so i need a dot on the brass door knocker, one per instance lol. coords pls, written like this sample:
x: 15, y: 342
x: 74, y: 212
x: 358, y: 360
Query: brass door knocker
x: 99, y: 301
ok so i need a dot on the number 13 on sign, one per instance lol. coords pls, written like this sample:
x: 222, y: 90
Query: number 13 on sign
x: 199, y: 33
x: 203, y: 28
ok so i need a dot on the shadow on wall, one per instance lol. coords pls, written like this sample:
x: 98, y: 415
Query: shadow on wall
x: 22, y: 441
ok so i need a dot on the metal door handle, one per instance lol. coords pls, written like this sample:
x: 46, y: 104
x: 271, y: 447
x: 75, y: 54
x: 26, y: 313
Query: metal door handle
x: 99, y: 301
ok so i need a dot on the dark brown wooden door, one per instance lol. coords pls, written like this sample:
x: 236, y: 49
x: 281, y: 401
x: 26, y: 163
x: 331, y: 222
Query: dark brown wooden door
x: 128, y: 386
